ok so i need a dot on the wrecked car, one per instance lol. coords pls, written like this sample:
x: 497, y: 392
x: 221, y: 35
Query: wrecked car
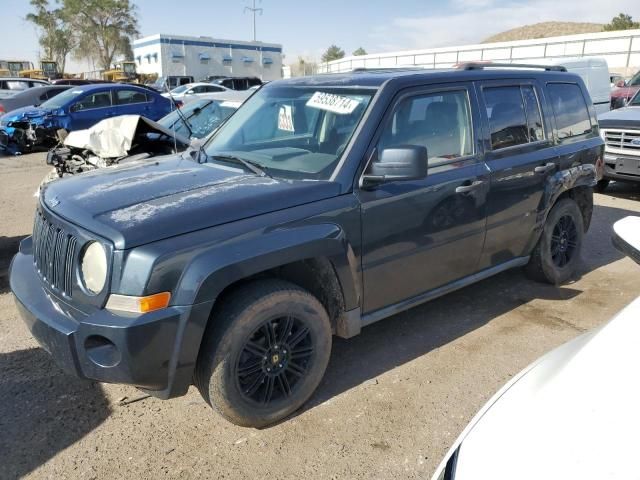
x: 29, y: 128
x: 131, y: 137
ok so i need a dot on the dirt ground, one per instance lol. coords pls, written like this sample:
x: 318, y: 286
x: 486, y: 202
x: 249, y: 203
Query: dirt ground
x: 392, y: 401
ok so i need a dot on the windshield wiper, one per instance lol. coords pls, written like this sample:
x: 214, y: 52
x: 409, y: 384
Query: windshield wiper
x: 255, y: 167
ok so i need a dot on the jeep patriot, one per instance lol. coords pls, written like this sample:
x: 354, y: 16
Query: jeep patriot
x: 322, y: 205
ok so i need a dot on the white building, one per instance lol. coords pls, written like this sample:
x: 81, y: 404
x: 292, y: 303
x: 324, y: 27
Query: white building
x: 620, y: 49
x: 202, y: 56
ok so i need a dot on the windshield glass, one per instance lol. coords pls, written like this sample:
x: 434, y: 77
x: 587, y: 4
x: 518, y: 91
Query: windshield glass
x: 60, y: 100
x: 635, y: 100
x: 204, y: 116
x: 291, y: 131
x: 635, y: 80
x: 180, y: 89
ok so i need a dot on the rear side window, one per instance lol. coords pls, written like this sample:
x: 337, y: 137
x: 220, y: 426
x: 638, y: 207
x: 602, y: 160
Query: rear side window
x: 440, y: 121
x: 570, y: 110
x: 514, y: 116
x: 126, y: 97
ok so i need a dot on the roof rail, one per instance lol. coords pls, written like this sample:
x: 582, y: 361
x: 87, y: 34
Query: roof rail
x: 482, y: 66
x: 387, y: 69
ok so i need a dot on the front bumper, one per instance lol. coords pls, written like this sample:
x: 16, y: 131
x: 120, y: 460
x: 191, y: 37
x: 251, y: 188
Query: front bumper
x: 611, y: 171
x: 156, y: 351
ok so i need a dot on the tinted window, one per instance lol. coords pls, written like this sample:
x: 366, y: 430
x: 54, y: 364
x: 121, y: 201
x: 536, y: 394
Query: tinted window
x: 534, y: 118
x: 96, y: 100
x: 570, y: 109
x: 441, y: 122
x: 507, y: 118
x: 213, y: 89
x: 125, y: 97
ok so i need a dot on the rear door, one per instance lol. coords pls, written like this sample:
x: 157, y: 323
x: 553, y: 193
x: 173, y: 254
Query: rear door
x: 521, y: 156
x: 422, y: 234
x: 132, y: 102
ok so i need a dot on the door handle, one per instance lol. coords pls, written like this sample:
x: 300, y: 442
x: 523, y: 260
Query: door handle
x: 545, y: 168
x: 469, y: 187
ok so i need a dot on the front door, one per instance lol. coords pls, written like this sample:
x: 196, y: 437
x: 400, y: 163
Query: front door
x: 422, y: 234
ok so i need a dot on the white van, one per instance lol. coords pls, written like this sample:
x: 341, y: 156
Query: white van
x: 595, y: 74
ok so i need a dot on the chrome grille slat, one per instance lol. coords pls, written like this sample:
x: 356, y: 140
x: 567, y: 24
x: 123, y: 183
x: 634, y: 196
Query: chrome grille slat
x: 620, y: 139
x: 53, y: 254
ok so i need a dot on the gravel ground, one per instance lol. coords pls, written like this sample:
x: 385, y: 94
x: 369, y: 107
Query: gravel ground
x: 392, y: 401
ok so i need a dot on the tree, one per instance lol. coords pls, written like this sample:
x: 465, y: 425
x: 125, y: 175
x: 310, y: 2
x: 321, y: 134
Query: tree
x: 104, y: 28
x: 55, y: 36
x: 621, y: 22
x: 359, y: 51
x: 333, y: 53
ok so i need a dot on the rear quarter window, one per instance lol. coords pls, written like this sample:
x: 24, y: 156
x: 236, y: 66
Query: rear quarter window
x: 570, y: 110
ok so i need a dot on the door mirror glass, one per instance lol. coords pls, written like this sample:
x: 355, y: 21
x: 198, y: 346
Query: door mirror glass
x: 401, y: 163
x: 626, y: 237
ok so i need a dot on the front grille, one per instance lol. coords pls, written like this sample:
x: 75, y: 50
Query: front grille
x: 627, y: 140
x: 53, y: 254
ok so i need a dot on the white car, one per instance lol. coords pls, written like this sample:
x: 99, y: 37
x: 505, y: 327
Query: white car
x: 193, y: 91
x: 573, y: 414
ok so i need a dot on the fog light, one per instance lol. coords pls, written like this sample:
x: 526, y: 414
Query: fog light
x: 102, y: 351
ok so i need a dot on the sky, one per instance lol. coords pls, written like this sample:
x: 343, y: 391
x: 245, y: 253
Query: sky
x: 306, y: 28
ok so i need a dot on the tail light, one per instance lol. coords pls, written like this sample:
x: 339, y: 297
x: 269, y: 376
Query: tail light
x: 2, y: 110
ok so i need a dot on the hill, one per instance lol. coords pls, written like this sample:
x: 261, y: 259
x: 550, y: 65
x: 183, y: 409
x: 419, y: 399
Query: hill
x: 544, y: 30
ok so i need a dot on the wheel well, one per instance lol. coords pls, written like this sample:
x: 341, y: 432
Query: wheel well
x: 583, y: 196
x: 315, y: 275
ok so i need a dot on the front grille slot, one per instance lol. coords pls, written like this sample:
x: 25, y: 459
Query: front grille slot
x: 53, y: 254
x: 627, y: 140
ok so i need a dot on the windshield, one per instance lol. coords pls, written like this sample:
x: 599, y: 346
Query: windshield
x: 204, y: 116
x: 60, y: 100
x: 291, y: 131
x: 635, y: 100
x: 635, y: 80
x: 180, y: 89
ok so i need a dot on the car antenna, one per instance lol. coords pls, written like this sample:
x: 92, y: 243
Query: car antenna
x: 181, y: 115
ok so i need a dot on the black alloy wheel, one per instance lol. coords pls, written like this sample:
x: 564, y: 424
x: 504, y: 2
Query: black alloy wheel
x: 274, y: 359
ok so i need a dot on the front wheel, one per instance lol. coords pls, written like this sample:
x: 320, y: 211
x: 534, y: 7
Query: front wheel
x: 264, y: 354
x: 557, y: 254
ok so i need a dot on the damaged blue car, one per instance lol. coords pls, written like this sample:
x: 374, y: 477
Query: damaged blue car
x: 30, y: 128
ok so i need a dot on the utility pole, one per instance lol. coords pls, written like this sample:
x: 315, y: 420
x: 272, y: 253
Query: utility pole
x: 254, y: 10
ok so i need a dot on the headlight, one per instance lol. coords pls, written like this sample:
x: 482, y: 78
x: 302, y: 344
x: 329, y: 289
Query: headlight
x: 93, y: 267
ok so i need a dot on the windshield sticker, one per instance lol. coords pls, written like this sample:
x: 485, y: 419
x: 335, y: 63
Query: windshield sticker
x: 333, y: 103
x: 285, y: 119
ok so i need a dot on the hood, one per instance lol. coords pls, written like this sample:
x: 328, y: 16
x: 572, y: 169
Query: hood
x: 113, y: 137
x: 624, y: 92
x: 25, y: 113
x: 146, y: 201
x: 574, y: 414
x: 628, y: 117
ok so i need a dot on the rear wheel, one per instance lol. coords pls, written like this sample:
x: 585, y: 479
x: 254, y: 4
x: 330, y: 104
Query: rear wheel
x: 602, y: 185
x: 265, y: 353
x: 557, y: 254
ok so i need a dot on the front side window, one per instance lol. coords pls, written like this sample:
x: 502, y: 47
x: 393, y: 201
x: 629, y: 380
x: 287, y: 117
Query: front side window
x: 440, y: 121
x: 96, y: 100
x: 294, y: 132
x: 17, y: 85
x: 125, y: 97
x: 570, y: 109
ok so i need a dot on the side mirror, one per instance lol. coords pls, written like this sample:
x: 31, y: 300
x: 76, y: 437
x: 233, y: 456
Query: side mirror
x: 621, y: 83
x: 400, y: 163
x: 626, y: 237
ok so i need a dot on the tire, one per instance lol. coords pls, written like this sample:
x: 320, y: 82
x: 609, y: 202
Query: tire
x: 266, y: 336
x: 602, y: 185
x: 564, y: 221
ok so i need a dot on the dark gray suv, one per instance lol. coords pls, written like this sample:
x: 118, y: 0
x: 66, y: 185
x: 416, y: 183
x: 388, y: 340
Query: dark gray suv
x: 322, y: 205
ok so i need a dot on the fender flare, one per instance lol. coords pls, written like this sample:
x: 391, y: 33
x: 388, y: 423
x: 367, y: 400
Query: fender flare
x: 211, y: 271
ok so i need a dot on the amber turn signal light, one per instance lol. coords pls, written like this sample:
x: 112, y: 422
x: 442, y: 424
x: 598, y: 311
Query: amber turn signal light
x: 150, y: 303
